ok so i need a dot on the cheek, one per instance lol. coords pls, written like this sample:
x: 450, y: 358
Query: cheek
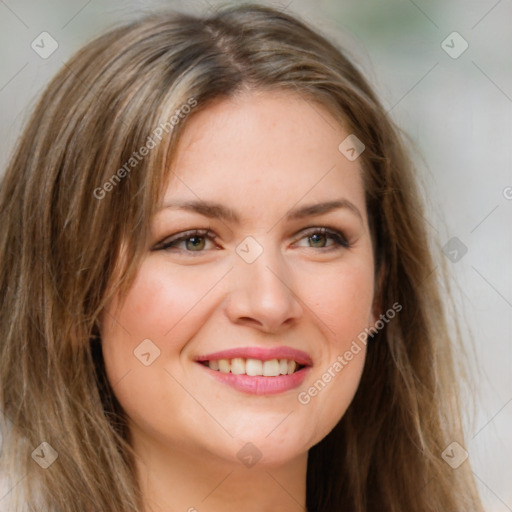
x: 160, y: 298
x: 161, y: 307
x: 342, y: 299
x: 161, y: 303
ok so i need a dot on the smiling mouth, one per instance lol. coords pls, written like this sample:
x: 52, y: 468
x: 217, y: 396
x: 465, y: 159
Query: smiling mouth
x: 254, y: 367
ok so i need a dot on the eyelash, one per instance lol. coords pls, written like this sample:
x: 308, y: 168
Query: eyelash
x: 339, y: 239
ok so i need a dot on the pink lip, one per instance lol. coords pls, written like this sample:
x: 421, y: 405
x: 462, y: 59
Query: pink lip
x: 264, y: 354
x: 259, y: 385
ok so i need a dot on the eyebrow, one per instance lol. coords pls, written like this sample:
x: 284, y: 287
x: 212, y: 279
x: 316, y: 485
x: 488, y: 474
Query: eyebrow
x: 219, y: 211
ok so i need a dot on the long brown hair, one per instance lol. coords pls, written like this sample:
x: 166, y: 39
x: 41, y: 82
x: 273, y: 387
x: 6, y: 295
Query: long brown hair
x: 69, y: 241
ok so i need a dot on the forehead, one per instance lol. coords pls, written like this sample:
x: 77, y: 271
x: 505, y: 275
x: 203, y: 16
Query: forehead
x: 261, y: 151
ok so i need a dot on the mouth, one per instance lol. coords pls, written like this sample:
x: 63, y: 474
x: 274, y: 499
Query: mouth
x: 258, y: 371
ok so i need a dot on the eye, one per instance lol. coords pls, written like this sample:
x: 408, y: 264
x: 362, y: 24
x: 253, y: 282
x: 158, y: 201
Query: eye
x: 195, y: 240
x: 319, y: 236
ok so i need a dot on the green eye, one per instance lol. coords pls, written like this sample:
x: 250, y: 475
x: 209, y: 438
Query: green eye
x: 194, y: 241
x: 318, y: 240
x: 318, y: 237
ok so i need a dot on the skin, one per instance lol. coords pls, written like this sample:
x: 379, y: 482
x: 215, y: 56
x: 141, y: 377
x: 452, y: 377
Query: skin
x: 261, y: 154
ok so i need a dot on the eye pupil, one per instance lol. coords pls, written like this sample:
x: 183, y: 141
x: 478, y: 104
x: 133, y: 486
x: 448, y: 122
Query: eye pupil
x: 196, y: 242
x: 317, y: 238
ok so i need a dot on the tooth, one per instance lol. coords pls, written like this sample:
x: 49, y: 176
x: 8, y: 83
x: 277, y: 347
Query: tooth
x: 253, y: 367
x: 283, y: 366
x: 292, y: 365
x: 271, y: 368
x: 213, y: 365
x: 238, y: 366
x: 224, y: 365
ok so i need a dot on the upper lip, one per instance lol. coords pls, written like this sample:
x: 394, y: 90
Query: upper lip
x: 264, y: 354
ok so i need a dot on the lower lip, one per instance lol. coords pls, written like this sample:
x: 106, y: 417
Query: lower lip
x: 259, y: 385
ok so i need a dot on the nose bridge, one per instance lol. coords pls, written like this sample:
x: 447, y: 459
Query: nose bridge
x: 262, y: 285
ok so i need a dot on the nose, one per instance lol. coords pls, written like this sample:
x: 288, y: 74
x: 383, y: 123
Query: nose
x: 262, y: 294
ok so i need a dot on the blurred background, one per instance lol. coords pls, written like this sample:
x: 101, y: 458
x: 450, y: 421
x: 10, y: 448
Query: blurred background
x: 444, y: 72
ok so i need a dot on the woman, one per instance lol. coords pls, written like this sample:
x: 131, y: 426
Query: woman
x: 215, y: 284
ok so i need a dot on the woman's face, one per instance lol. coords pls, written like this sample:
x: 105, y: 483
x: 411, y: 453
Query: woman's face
x: 264, y: 284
